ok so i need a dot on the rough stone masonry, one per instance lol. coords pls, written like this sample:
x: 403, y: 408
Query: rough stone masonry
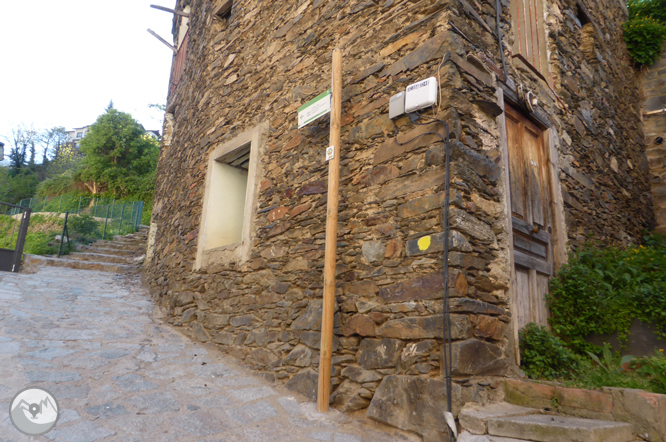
x: 258, y: 64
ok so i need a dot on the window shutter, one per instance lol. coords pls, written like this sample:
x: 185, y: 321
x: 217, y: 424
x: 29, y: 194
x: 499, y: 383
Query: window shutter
x: 529, y: 33
x: 179, y: 64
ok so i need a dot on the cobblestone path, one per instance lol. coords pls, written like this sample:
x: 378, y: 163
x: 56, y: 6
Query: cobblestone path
x: 121, y: 375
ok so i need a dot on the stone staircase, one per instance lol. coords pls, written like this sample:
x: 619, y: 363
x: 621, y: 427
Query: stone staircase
x: 118, y: 256
x: 505, y: 422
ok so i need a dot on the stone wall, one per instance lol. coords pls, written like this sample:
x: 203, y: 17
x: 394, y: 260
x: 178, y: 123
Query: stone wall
x: 654, y: 90
x: 260, y: 65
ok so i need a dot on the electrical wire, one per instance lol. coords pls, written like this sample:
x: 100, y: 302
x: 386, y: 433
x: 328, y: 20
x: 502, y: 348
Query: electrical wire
x: 447, y: 313
x: 446, y: 336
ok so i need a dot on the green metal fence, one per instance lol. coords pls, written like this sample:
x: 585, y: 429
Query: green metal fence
x: 112, y: 217
x: 79, y: 204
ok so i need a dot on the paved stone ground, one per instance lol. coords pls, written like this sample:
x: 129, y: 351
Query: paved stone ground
x: 121, y: 375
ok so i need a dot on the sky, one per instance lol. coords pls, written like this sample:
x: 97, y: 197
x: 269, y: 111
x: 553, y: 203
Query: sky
x: 62, y: 62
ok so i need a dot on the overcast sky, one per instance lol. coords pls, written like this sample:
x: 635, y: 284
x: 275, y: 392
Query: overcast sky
x: 61, y: 62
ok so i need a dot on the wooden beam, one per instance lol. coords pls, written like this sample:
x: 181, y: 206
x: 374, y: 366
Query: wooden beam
x: 173, y: 11
x: 223, y: 7
x: 170, y: 46
x: 328, y: 310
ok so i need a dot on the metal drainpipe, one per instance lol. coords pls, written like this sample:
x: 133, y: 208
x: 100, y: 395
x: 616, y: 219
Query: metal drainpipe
x: 498, y: 11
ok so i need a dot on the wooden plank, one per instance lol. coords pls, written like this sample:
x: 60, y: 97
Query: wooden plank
x: 515, y: 164
x: 542, y: 291
x: 527, y: 229
x: 523, y: 314
x: 530, y: 246
x: 244, y: 159
x: 519, y: 27
x: 235, y: 154
x: 538, y: 31
x: 534, y: 302
x: 533, y: 166
x: 528, y: 30
x: 501, y: 125
x: 531, y: 262
x: 559, y: 238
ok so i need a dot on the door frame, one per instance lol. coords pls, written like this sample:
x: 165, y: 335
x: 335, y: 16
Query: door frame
x: 559, y: 234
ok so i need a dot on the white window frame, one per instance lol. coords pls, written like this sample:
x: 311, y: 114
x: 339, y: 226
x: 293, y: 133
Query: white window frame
x: 238, y: 252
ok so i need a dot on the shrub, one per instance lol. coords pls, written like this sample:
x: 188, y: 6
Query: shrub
x: 83, y: 228
x: 544, y: 355
x: 39, y: 243
x: 654, y: 369
x: 602, y: 289
x: 645, y: 38
x: 645, y: 30
x: 655, y: 9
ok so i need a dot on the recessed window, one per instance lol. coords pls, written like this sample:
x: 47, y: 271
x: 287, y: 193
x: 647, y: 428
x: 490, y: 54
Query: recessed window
x: 581, y: 15
x: 223, y: 8
x: 226, y: 203
x: 227, y: 224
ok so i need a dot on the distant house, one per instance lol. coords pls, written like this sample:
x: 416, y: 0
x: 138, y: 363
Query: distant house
x: 2, y: 151
x: 154, y: 133
x: 75, y: 135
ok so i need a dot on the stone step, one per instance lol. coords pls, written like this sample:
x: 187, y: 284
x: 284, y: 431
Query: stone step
x: 551, y: 428
x: 39, y: 261
x: 98, y: 257
x: 130, y: 238
x: 117, y: 246
x: 474, y: 417
x: 106, y: 251
x: 468, y: 437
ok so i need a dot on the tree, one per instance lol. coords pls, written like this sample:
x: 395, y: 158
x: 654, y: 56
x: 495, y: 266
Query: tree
x: 53, y: 140
x: 23, y: 139
x: 118, y: 154
x: 157, y: 106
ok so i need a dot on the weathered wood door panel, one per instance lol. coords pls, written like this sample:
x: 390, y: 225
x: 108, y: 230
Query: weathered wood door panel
x: 530, y: 217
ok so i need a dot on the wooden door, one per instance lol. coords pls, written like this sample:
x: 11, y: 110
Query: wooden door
x: 530, y: 217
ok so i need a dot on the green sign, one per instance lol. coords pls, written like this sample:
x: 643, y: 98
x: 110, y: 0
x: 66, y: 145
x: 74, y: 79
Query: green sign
x: 313, y: 109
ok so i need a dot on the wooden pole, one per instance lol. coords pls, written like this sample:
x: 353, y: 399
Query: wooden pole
x: 154, y: 34
x: 331, y: 239
x: 173, y: 11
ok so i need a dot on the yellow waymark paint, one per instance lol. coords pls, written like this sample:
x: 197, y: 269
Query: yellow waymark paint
x: 424, y: 243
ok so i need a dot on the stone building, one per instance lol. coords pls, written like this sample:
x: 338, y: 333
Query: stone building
x: 547, y: 150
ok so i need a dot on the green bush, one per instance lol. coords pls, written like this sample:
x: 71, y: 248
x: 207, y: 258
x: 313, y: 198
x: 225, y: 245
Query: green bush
x: 40, y: 243
x: 645, y: 38
x: 83, y: 228
x: 603, y: 289
x: 545, y: 356
x: 645, y: 30
x: 655, y: 9
x: 57, y: 185
x: 654, y: 370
